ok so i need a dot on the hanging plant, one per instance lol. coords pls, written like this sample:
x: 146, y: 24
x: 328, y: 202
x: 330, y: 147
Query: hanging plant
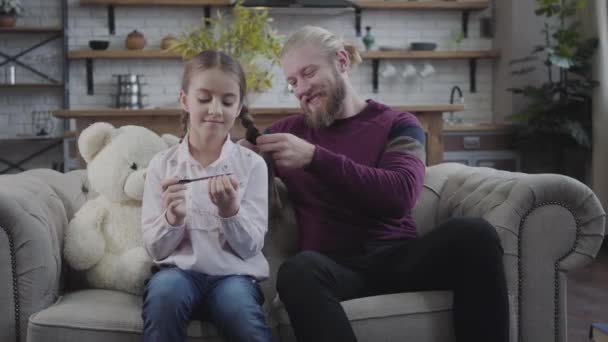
x: 248, y: 37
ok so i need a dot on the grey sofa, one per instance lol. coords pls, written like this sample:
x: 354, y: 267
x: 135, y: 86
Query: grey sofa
x: 548, y: 224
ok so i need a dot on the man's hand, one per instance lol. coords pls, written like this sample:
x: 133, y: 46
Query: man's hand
x: 174, y: 201
x: 223, y: 193
x: 287, y: 150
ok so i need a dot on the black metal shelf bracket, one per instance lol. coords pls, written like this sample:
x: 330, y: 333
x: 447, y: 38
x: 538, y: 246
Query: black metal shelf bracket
x: 375, y: 67
x: 90, y: 87
x: 111, y: 20
x: 358, y: 20
x: 473, y: 74
x: 466, y: 14
x: 207, y: 15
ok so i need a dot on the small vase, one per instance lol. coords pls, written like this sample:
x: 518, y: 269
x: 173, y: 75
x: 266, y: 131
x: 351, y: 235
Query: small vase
x: 135, y: 41
x: 8, y: 20
x: 368, y: 39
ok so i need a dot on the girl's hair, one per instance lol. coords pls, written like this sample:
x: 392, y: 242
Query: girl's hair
x: 327, y: 41
x: 211, y: 59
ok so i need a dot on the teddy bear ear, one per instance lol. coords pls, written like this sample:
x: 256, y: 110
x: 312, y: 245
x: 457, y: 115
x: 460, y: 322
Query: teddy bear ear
x: 94, y: 138
x: 170, y: 139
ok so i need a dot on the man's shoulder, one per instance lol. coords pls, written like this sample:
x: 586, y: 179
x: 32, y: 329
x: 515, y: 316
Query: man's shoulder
x: 393, y: 116
x: 400, y: 123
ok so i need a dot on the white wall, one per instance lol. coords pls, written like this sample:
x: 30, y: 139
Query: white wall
x: 518, y: 31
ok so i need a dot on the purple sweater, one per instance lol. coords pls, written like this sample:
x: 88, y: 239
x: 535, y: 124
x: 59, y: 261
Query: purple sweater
x: 363, y: 181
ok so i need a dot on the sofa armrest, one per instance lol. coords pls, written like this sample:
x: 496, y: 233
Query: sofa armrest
x: 548, y: 224
x: 32, y: 223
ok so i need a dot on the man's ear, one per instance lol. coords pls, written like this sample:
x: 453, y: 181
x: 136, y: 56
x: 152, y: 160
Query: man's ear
x: 342, y: 61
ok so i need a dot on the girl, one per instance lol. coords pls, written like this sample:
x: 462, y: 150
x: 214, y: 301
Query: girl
x: 207, y: 235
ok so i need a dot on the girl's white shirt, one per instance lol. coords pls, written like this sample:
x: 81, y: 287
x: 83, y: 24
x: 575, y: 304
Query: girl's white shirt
x: 206, y: 242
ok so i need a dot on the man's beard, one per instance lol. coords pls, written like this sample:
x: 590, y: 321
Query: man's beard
x: 326, y: 115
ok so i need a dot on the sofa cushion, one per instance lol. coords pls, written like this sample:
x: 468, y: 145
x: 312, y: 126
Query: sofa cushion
x: 100, y: 315
x: 412, y: 316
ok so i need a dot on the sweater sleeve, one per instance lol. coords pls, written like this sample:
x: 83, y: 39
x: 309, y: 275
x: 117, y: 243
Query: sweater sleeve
x: 388, y: 189
x: 245, y: 231
x: 160, y: 238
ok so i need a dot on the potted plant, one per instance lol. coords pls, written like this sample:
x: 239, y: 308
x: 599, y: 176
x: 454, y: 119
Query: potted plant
x: 248, y: 37
x: 9, y: 10
x: 555, y: 135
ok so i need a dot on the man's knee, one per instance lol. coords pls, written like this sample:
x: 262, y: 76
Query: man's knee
x: 298, y: 270
x: 474, y: 230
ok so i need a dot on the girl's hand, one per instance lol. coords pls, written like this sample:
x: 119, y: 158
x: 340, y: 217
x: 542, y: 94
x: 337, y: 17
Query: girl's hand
x: 174, y: 201
x: 223, y: 193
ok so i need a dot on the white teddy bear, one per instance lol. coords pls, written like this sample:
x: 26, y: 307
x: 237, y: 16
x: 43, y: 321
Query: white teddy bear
x: 104, y: 238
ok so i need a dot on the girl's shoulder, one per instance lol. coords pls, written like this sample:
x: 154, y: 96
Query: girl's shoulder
x: 243, y: 154
x: 247, y: 160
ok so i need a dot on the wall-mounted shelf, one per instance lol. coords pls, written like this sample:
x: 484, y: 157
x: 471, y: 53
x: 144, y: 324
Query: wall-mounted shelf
x: 90, y: 55
x: 30, y: 85
x: 472, y: 56
x: 278, y: 111
x: 55, y: 30
x: 122, y: 54
x: 207, y: 4
x: 465, y: 6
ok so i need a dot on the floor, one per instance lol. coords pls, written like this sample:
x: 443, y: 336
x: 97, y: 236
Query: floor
x: 588, y: 297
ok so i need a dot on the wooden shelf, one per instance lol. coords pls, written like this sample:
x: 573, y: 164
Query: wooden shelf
x: 89, y: 55
x: 424, y: 5
x: 56, y: 30
x: 122, y: 54
x: 158, y: 2
x: 30, y: 85
x: 271, y: 111
x: 407, y: 54
x: 205, y: 4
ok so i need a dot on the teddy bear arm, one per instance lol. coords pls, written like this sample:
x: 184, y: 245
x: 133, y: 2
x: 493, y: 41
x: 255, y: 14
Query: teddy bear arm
x: 84, y: 241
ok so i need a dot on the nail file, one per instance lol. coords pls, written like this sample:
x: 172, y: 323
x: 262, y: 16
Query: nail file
x: 185, y: 181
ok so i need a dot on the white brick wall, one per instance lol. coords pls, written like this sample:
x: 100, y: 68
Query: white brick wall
x: 390, y: 28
